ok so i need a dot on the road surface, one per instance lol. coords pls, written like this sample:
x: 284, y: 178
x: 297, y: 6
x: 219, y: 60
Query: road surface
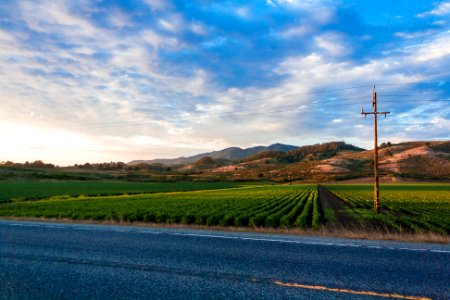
x: 72, y: 261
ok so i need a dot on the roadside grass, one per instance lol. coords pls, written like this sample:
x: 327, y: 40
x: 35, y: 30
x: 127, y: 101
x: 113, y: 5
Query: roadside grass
x: 368, y: 233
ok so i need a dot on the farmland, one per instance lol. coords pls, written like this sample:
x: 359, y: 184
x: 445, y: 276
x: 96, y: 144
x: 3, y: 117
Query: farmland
x: 268, y: 206
x: 411, y: 208
x: 405, y: 207
x: 29, y: 190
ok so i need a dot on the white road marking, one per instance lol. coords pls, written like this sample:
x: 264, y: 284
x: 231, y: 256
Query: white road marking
x: 438, y: 251
x: 229, y: 237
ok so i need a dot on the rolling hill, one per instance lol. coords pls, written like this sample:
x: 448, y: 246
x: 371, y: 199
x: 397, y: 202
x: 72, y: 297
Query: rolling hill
x: 333, y: 161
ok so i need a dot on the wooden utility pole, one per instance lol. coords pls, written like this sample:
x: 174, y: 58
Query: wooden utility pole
x: 376, y: 194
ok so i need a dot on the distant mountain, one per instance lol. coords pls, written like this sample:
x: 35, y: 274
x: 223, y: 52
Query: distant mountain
x: 231, y: 153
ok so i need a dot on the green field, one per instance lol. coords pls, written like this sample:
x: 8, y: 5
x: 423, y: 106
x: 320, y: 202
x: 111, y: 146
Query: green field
x: 404, y: 207
x: 29, y: 190
x: 270, y: 206
x: 410, y: 208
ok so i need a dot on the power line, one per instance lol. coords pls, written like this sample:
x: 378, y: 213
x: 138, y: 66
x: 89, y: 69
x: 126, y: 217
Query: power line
x: 412, y: 95
x: 425, y: 100
x: 237, y: 112
x: 300, y: 94
x: 415, y: 83
x: 378, y: 46
x: 428, y: 27
x: 314, y: 102
x: 388, y: 21
x: 303, y: 108
x: 106, y: 124
x: 268, y: 98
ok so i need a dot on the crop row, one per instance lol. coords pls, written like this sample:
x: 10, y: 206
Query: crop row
x: 403, y: 207
x: 29, y: 190
x: 269, y: 206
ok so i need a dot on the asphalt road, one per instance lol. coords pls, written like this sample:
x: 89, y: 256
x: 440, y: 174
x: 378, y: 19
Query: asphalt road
x: 68, y: 261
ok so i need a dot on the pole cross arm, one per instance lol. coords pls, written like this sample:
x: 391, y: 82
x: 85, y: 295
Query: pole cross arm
x: 376, y: 113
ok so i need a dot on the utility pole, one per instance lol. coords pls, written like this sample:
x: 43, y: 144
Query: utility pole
x: 376, y: 194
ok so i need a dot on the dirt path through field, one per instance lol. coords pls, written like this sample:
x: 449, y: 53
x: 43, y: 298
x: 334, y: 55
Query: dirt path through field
x: 331, y: 201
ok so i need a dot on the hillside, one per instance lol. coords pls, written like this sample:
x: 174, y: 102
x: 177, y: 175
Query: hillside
x: 312, y: 152
x: 415, y: 160
x: 339, y: 161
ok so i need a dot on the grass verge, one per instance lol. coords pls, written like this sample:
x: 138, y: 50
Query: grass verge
x: 331, y: 231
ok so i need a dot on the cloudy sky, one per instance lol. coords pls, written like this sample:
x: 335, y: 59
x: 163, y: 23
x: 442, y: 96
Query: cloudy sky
x: 121, y: 80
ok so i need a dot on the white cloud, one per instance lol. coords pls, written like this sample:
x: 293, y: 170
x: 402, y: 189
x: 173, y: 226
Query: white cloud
x: 157, y: 40
x: 437, y: 48
x: 319, y: 70
x: 198, y: 28
x: 407, y: 64
x: 296, y: 31
x: 119, y: 20
x: 333, y: 43
x: 159, y: 4
x: 442, y: 10
x: 320, y: 12
x: 54, y: 16
x: 6, y: 37
x: 168, y: 25
x: 173, y: 23
x: 131, y: 99
x: 119, y: 96
x: 410, y: 35
x: 243, y: 12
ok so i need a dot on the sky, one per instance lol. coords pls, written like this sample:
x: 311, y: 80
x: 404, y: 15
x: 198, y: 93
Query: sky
x: 99, y: 81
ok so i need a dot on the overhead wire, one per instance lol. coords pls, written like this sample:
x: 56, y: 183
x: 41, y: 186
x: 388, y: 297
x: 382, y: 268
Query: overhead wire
x: 196, y: 114
x: 425, y: 100
x: 414, y: 83
x: 388, y: 21
x: 260, y: 99
x: 108, y: 124
x: 378, y: 46
x: 306, y: 107
x: 300, y: 94
x: 410, y: 95
x: 428, y: 27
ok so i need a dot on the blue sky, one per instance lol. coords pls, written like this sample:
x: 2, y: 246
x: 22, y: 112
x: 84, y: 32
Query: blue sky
x: 122, y: 80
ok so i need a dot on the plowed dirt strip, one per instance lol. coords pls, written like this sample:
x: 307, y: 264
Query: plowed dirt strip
x: 338, y: 205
